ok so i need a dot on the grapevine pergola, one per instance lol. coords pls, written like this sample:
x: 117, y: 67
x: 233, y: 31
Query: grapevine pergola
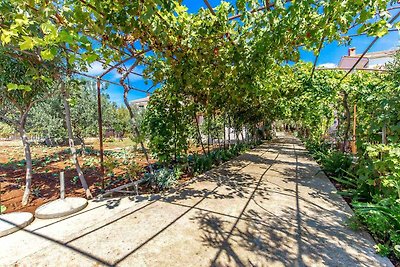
x: 266, y: 7
x: 218, y: 55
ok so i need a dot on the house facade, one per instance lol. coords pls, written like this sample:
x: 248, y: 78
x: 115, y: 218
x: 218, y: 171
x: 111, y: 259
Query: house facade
x: 140, y: 103
x: 372, y: 60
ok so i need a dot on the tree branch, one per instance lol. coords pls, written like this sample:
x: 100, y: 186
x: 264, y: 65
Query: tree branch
x: 9, y: 121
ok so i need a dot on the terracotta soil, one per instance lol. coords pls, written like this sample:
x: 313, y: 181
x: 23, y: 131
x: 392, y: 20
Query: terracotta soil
x: 48, y: 163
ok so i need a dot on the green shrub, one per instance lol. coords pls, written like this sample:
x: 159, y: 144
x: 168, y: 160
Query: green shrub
x: 6, y: 130
x: 202, y: 163
x: 383, y: 222
x: 336, y: 163
x: 373, y: 183
x: 164, y: 178
x: 380, y: 169
x: 2, y: 208
x: 318, y: 149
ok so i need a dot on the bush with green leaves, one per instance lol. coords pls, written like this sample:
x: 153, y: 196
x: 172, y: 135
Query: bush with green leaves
x: 317, y: 148
x: 164, y: 178
x: 200, y: 163
x: 380, y: 168
x: 378, y: 186
x: 6, y: 130
x: 383, y: 221
x: 373, y: 183
x: 336, y: 163
x: 204, y: 162
x: 166, y: 123
x: 2, y: 208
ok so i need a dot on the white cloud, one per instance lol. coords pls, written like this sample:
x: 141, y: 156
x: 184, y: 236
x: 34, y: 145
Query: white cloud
x: 95, y: 69
x: 131, y: 77
x: 328, y: 65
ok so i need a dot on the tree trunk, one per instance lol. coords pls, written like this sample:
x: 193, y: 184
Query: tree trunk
x: 134, y: 126
x: 71, y: 142
x: 28, y: 159
x: 384, y: 134
x: 224, y: 127
x: 131, y: 114
x: 337, y: 133
x: 229, y: 132
x: 199, y: 133
x: 175, y: 131
x: 208, y: 135
x: 83, y: 145
x: 253, y: 137
x: 348, y: 121
x: 217, y: 128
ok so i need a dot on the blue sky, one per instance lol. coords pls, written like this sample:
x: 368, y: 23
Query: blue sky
x: 330, y: 54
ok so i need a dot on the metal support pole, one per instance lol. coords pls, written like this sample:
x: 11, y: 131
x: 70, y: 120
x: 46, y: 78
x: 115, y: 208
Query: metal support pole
x: 62, y: 185
x: 100, y: 121
x: 384, y: 134
x: 354, y: 146
x: 224, y: 131
x: 229, y: 132
x: 0, y: 197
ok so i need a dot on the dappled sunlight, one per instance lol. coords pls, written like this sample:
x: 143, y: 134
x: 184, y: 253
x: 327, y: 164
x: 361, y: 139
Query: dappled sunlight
x: 281, y: 214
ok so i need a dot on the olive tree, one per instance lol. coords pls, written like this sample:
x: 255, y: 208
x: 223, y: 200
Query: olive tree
x: 22, y: 85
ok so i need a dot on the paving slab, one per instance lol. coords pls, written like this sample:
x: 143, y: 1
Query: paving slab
x: 271, y: 206
x: 14, y: 221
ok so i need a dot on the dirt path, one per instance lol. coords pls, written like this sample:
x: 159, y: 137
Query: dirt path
x: 268, y: 207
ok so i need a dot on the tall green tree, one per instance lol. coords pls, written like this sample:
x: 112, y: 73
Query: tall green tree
x: 22, y: 85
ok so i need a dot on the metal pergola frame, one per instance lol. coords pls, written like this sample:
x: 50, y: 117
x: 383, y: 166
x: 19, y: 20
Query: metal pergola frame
x: 267, y: 6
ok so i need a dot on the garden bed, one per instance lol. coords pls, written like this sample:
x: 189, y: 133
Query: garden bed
x: 50, y: 161
x: 363, y: 184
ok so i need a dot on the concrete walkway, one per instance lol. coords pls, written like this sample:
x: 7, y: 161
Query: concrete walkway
x: 268, y: 207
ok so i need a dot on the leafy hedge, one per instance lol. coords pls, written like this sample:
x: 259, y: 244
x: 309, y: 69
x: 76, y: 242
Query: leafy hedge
x: 165, y: 177
x: 373, y: 184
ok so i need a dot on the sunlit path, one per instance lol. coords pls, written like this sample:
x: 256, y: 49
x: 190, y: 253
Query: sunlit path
x: 270, y: 206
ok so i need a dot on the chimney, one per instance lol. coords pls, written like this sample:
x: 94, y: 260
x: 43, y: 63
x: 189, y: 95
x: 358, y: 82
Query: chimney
x: 352, y: 51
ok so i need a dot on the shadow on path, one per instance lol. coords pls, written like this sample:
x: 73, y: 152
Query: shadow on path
x: 286, y: 214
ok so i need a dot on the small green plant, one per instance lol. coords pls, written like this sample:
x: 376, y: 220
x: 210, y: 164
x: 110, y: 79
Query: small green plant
x: 382, y: 249
x: 201, y: 163
x: 2, y: 208
x: 110, y: 163
x: 21, y: 163
x: 383, y: 221
x: 133, y: 169
x: 336, y: 163
x: 163, y: 178
x: 75, y: 180
x: 36, y: 192
x: 109, y: 140
x: 90, y: 161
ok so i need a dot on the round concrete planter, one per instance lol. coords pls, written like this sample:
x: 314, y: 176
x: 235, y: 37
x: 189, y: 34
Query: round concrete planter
x: 60, y: 208
x: 14, y: 221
